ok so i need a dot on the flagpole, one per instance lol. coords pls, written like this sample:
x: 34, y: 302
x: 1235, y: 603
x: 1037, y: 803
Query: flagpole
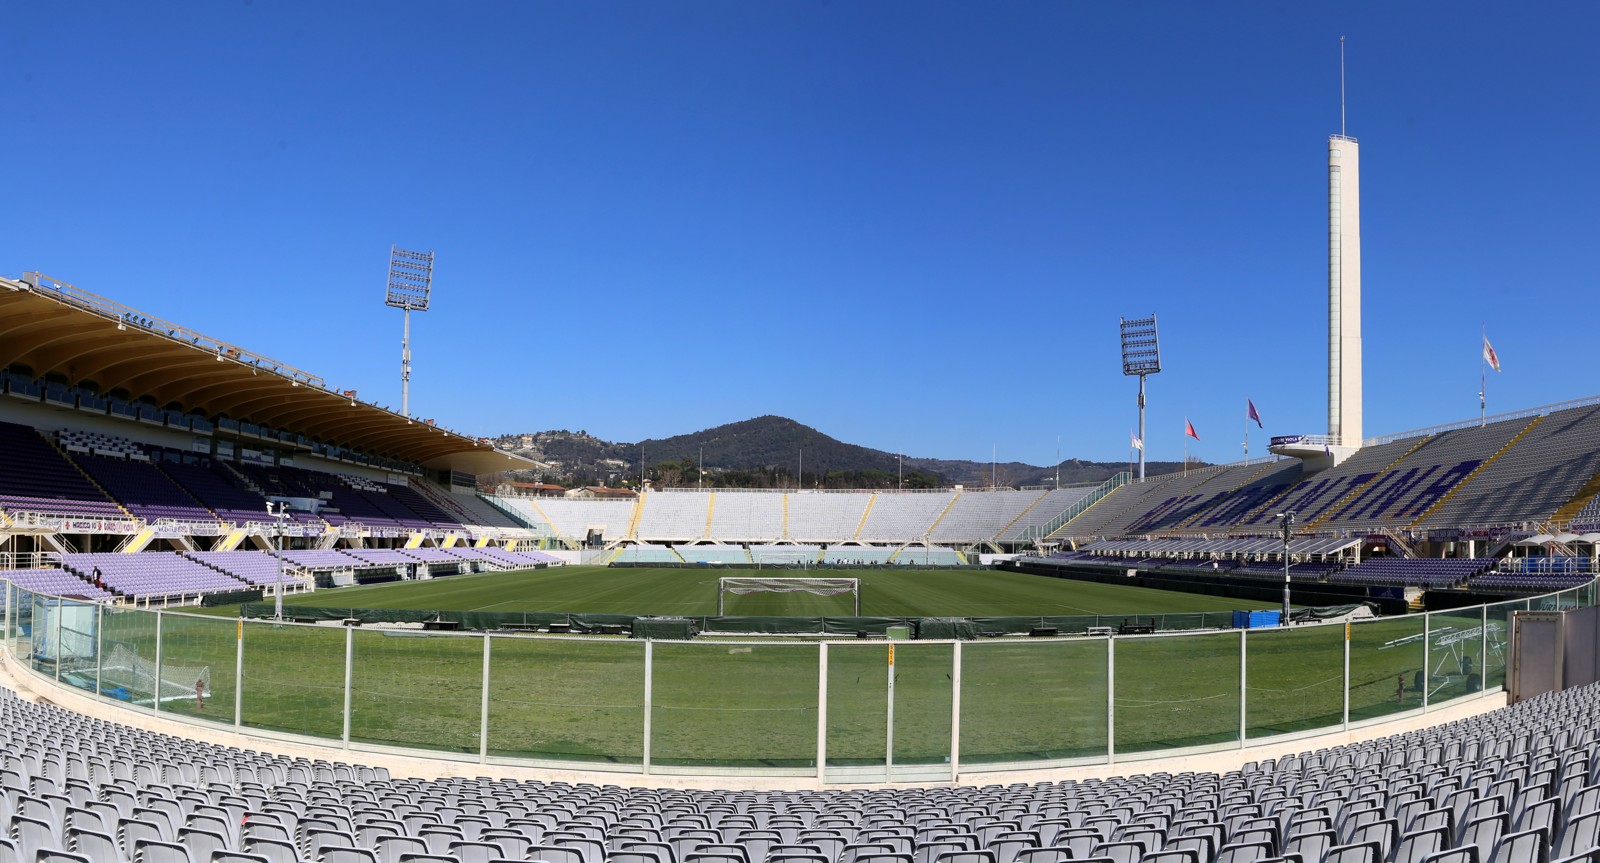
x: 1483, y: 373
x: 1247, y: 436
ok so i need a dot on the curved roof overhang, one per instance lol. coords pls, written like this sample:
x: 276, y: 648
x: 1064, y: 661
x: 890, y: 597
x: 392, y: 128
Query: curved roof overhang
x: 55, y: 328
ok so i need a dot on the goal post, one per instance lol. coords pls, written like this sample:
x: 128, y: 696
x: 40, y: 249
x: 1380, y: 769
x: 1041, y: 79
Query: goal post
x: 746, y: 586
x: 134, y: 678
x: 786, y: 559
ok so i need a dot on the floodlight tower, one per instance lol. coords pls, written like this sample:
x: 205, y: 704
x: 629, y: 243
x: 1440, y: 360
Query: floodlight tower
x: 410, y: 280
x: 1141, y: 355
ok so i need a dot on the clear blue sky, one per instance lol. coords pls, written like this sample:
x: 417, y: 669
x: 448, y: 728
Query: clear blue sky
x: 911, y: 225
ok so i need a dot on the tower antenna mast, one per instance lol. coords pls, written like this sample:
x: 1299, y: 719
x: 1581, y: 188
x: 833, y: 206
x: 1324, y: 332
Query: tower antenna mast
x: 1341, y: 86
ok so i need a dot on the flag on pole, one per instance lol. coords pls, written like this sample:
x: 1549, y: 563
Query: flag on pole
x: 1489, y: 356
x: 1250, y: 413
x: 1137, y: 444
x: 1188, y: 429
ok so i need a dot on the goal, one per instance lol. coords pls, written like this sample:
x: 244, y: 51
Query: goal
x: 786, y: 559
x: 126, y: 674
x: 746, y: 586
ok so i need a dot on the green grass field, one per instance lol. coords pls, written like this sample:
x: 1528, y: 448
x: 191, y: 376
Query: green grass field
x: 754, y: 702
x: 885, y: 592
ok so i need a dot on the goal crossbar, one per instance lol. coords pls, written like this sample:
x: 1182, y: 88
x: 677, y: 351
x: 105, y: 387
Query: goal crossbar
x: 746, y: 585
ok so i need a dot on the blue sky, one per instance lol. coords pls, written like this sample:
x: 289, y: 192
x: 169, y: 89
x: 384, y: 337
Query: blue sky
x: 911, y: 225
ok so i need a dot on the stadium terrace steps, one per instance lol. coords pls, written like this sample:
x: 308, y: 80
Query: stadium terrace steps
x: 973, y: 515
x: 1406, y: 490
x: 1518, y: 776
x: 572, y: 519
x: 748, y: 516
x: 1313, y: 494
x: 1478, y: 470
x: 482, y: 512
x: 872, y: 500
x: 150, y: 575
x: 1112, y: 514
x: 636, y: 514
x: 142, y: 489
x: 36, y: 477
x: 672, y: 516
x: 902, y: 516
x: 1533, y: 481
x: 1361, y: 484
x: 933, y: 528
x: 56, y: 582
x: 1051, y: 506
x: 825, y: 516
x: 1265, y: 484
x: 212, y: 488
x: 711, y: 512
x: 1581, y: 504
x: 1180, y: 508
x: 1006, y: 528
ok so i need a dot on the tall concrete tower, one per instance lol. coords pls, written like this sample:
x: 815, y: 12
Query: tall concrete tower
x: 1344, y: 291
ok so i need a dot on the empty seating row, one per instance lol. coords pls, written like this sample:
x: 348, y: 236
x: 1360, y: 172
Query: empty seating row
x: 1515, y: 785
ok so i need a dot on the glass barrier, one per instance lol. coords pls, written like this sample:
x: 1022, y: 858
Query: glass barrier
x: 1498, y: 635
x: 858, y: 706
x: 1037, y: 700
x: 417, y: 689
x: 46, y: 619
x: 78, y: 648
x: 923, y: 704
x: 754, y: 704
x: 1455, y: 654
x: 1294, y: 679
x: 734, y: 704
x: 567, y: 699
x: 22, y: 625
x: 293, y: 678
x: 200, y: 653
x: 1386, y: 667
x: 1176, y: 691
x: 128, y: 657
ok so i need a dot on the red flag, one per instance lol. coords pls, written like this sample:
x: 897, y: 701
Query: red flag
x: 1489, y: 356
x: 1188, y: 429
x: 1250, y: 413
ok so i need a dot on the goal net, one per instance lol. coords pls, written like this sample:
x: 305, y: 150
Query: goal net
x: 786, y: 559
x: 123, y: 668
x: 746, y: 586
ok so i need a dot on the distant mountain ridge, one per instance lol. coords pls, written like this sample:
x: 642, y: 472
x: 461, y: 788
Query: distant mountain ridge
x: 767, y: 450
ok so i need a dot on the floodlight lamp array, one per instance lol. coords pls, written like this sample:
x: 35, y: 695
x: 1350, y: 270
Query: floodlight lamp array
x: 410, y: 278
x: 1141, y: 350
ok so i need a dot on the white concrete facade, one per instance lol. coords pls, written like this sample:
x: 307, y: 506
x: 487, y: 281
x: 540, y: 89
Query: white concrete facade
x: 1344, y: 290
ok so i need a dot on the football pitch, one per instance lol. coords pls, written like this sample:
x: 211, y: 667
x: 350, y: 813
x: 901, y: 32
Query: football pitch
x: 755, y: 702
x: 885, y: 592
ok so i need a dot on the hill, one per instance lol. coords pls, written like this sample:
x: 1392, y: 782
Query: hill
x: 766, y: 452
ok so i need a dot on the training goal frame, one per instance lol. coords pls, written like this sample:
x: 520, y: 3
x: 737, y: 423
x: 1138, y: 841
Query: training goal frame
x: 745, y: 585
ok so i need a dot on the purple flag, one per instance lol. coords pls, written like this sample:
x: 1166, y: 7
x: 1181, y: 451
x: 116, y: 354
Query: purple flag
x: 1250, y: 413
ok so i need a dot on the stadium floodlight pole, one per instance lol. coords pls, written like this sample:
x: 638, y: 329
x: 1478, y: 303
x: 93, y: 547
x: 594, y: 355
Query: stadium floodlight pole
x: 1141, y: 356
x: 277, y: 593
x: 1287, y: 520
x: 410, y: 282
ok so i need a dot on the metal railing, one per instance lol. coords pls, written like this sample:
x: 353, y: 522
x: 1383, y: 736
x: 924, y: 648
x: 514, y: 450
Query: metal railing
x: 1526, y: 413
x: 1038, y: 532
x: 777, y: 707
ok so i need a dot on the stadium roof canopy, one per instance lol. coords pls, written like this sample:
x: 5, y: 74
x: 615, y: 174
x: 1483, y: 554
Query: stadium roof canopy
x: 54, y: 328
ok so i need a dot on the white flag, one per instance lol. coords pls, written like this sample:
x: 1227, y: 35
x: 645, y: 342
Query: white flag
x: 1137, y: 444
x: 1489, y: 356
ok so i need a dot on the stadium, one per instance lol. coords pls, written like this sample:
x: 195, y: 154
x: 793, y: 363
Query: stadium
x: 252, y: 617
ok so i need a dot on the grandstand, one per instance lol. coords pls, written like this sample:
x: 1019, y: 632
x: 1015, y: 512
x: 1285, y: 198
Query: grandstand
x: 1507, y: 786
